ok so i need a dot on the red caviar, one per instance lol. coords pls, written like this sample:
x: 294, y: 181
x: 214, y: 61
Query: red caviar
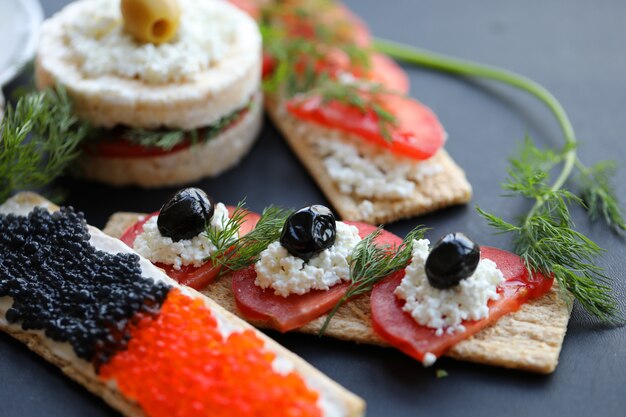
x: 179, y: 364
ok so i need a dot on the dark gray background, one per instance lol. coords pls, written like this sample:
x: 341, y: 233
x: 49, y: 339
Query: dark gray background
x: 577, y: 49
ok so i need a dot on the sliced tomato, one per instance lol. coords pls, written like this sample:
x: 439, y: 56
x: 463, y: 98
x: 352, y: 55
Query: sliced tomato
x: 302, y: 21
x: 400, y: 330
x: 382, y: 70
x: 251, y: 7
x: 385, y: 71
x: 416, y: 134
x: 192, y: 276
x: 288, y: 313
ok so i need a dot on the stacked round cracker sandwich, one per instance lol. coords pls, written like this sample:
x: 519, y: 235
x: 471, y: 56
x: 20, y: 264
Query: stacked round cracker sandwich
x: 164, y: 111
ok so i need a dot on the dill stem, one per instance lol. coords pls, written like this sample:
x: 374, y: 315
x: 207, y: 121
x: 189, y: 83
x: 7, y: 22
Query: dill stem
x: 428, y: 59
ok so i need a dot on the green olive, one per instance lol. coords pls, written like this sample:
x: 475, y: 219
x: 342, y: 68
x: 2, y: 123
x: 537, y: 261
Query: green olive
x: 154, y: 21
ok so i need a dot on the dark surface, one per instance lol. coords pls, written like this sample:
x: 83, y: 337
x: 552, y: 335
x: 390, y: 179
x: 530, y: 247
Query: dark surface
x: 576, y: 49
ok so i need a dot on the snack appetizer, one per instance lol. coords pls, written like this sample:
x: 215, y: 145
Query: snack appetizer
x: 146, y: 345
x: 182, y: 237
x: 305, y: 271
x: 376, y: 153
x: 171, y: 86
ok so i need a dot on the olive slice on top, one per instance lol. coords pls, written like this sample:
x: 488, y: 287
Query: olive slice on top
x: 309, y: 231
x: 453, y: 258
x: 185, y: 214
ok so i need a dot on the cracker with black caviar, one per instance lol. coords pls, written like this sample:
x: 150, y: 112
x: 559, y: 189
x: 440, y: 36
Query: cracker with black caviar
x: 529, y: 339
x: 85, y: 373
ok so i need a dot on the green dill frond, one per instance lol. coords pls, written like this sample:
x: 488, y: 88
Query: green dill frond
x: 546, y: 239
x: 245, y: 251
x: 168, y: 139
x: 599, y: 195
x: 370, y: 263
x: 165, y: 140
x: 39, y: 138
x: 224, y: 238
x: 529, y: 171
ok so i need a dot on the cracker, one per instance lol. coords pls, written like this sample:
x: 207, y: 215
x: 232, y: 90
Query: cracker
x: 75, y: 368
x: 447, y: 188
x: 529, y: 339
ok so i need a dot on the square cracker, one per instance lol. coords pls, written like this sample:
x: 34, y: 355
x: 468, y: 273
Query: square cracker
x: 529, y: 339
x: 445, y: 188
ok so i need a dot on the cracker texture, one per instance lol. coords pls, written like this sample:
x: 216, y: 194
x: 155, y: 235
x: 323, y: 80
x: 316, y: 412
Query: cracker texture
x: 529, y: 339
x: 446, y: 188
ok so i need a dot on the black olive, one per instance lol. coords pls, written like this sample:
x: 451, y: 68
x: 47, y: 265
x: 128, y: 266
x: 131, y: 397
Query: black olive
x: 185, y: 214
x: 453, y: 258
x: 309, y: 231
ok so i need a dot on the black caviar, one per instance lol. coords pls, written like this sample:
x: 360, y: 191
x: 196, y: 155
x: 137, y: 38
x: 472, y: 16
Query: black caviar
x: 64, y: 286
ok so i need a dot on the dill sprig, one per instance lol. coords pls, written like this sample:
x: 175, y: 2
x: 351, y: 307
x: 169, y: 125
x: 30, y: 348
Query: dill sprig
x: 371, y: 262
x: 39, y: 138
x: 167, y: 139
x: 599, y: 196
x: 245, y: 250
x: 545, y: 238
x: 224, y: 238
x: 363, y: 96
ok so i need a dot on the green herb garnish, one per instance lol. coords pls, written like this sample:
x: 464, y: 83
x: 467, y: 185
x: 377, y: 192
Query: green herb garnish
x: 245, y: 250
x: 545, y: 238
x: 39, y: 138
x: 371, y: 262
x: 167, y: 139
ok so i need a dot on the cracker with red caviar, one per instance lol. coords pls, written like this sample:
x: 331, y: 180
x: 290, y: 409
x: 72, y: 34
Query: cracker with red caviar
x: 85, y: 373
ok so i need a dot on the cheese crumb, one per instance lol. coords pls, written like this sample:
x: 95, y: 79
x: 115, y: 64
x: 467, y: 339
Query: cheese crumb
x: 99, y: 45
x: 368, y: 171
x: 287, y: 274
x: 429, y: 359
x: 151, y: 244
x: 445, y: 310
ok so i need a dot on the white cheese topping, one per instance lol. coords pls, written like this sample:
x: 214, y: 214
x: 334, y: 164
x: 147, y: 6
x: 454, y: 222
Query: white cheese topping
x: 445, y: 310
x: 151, y: 244
x: 100, y: 46
x: 368, y: 171
x: 288, y: 274
x: 429, y: 359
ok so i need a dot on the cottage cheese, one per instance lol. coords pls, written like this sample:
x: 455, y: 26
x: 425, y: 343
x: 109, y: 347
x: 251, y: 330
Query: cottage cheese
x: 445, y: 310
x: 288, y: 274
x: 100, y: 46
x: 153, y: 245
x: 367, y: 171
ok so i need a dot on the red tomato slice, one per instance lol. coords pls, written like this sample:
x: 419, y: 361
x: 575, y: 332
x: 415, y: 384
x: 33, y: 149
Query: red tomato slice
x: 251, y: 7
x: 385, y: 71
x: 116, y: 146
x: 288, y: 313
x: 400, y: 330
x: 417, y: 133
x: 192, y: 276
